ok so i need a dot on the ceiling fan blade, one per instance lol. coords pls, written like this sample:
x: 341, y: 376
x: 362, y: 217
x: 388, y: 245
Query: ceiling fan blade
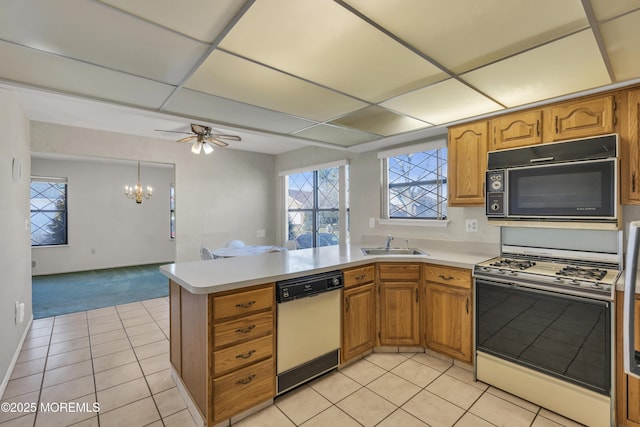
x: 198, y: 128
x: 171, y: 131
x: 216, y: 141
x: 229, y: 137
x: 187, y: 138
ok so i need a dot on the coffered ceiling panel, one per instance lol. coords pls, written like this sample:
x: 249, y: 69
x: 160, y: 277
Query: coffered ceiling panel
x: 622, y: 39
x: 464, y: 34
x: 321, y: 41
x: 203, y: 20
x: 214, y: 108
x: 336, y: 135
x: 43, y: 70
x: 380, y: 121
x: 442, y: 103
x: 230, y: 77
x: 97, y: 34
x: 339, y: 72
x: 607, y: 9
x: 562, y: 67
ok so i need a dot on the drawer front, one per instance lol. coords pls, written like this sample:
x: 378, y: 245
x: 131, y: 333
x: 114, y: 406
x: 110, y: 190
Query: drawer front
x: 398, y: 271
x: 244, y: 329
x: 452, y: 276
x: 358, y: 276
x: 243, y: 389
x: 242, y: 355
x: 241, y: 303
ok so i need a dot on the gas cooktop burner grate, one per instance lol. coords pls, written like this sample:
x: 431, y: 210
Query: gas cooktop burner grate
x: 581, y: 272
x: 518, y: 264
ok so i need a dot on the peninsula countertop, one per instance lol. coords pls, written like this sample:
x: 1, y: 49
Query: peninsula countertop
x: 212, y: 276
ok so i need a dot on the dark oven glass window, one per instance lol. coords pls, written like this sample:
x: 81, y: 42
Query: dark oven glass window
x: 563, y: 336
x: 574, y: 190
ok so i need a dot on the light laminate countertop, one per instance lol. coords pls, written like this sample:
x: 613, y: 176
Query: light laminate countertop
x: 212, y: 276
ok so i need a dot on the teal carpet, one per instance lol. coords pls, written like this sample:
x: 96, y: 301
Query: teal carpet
x: 57, y: 294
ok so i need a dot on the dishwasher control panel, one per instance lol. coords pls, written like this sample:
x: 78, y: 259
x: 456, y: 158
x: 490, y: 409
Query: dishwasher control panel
x: 306, y: 286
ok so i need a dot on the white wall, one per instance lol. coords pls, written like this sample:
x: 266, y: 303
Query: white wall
x: 224, y: 196
x: 105, y: 229
x: 365, y: 193
x: 14, y: 211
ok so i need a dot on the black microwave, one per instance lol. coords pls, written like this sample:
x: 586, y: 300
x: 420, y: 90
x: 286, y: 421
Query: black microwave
x: 573, y: 180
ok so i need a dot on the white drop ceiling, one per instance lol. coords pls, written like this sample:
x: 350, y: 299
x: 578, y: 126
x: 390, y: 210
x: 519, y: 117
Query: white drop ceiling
x: 347, y: 74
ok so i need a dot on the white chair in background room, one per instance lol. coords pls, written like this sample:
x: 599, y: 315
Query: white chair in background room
x: 205, y: 253
x: 291, y: 245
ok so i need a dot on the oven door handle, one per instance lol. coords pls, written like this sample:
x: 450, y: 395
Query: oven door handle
x: 512, y: 285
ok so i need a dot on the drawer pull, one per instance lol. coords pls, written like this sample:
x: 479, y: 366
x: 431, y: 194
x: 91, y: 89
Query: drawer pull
x: 446, y: 278
x: 247, y: 305
x: 245, y: 355
x: 362, y: 276
x: 246, y: 380
x: 246, y: 330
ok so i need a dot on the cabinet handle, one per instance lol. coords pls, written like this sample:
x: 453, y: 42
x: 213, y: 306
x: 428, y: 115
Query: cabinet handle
x: 362, y: 276
x: 347, y: 308
x: 633, y: 182
x: 446, y: 278
x: 467, y: 304
x: 538, y: 127
x: 557, y: 131
x: 246, y: 330
x: 247, y: 305
x: 246, y: 380
x: 417, y: 295
x: 245, y: 355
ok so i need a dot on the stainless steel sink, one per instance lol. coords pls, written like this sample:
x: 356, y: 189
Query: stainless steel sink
x: 393, y: 251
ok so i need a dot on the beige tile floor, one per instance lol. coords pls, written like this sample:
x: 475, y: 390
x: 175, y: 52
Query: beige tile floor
x: 118, y: 357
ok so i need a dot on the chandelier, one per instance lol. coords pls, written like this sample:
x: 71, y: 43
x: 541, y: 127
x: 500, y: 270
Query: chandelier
x: 135, y: 192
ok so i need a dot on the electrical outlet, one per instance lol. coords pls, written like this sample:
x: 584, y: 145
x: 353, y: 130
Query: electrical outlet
x: 372, y: 222
x: 471, y: 225
x: 261, y: 233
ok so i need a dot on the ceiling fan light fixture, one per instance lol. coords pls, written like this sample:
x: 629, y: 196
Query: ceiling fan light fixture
x: 208, y: 148
x: 196, y: 147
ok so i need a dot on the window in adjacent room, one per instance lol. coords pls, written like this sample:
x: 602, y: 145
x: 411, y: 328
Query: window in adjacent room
x: 48, y: 201
x: 415, y: 182
x: 172, y: 211
x: 317, y: 206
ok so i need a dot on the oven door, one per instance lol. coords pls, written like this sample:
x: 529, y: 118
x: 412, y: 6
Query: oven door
x: 560, y: 335
x: 577, y: 190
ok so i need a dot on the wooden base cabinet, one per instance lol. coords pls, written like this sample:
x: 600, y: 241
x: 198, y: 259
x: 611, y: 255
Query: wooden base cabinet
x: 358, y: 312
x: 448, y: 314
x: 627, y: 387
x: 223, y: 348
x: 399, y: 304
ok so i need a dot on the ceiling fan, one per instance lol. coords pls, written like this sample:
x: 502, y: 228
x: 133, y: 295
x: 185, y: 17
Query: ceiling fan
x: 204, y: 138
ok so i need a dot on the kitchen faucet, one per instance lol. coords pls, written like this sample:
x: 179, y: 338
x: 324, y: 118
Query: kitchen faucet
x: 389, y: 239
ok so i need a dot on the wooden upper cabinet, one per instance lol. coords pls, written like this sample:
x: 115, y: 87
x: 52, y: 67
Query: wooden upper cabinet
x: 516, y: 130
x: 580, y: 119
x: 467, y: 152
x: 630, y: 151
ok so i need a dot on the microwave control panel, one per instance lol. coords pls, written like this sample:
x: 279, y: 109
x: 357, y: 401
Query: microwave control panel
x: 495, y: 203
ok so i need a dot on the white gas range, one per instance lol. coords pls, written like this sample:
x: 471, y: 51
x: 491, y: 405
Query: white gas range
x: 544, y: 319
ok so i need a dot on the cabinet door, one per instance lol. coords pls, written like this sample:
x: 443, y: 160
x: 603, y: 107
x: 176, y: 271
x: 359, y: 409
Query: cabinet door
x: 467, y: 163
x: 516, y: 130
x: 448, y: 320
x: 579, y: 119
x: 630, y: 152
x: 359, y: 321
x: 399, y: 313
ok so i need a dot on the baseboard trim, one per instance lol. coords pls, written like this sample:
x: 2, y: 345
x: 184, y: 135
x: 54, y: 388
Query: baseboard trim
x: 14, y: 360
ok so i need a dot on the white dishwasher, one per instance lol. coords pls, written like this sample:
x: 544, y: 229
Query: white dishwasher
x: 308, y: 330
